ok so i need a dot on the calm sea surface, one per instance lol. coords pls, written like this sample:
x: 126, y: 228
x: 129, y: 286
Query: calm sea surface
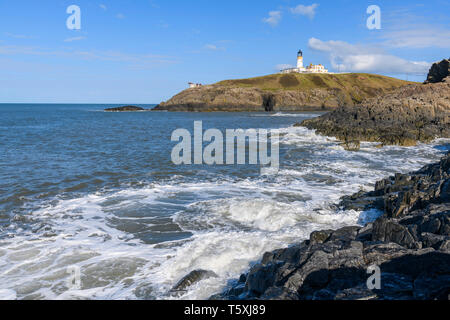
x: 82, y: 189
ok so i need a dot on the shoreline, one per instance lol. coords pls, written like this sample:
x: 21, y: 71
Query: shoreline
x: 410, y: 243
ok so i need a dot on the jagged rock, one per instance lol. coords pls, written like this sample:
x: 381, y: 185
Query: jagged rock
x: 320, y: 236
x: 439, y: 71
x: 386, y: 230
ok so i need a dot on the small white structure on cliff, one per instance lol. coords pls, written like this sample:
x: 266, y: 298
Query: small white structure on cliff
x: 312, y: 68
x: 194, y: 85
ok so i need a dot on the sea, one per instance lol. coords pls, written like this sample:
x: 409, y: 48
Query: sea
x: 92, y: 207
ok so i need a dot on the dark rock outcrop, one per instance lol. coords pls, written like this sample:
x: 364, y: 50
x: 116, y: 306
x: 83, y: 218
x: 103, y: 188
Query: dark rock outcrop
x: 410, y: 244
x: 409, y: 114
x: 439, y: 71
x: 125, y: 109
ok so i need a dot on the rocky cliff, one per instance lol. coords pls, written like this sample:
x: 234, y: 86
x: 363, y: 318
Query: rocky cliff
x: 404, y: 116
x: 439, y: 71
x: 283, y: 92
x: 410, y: 244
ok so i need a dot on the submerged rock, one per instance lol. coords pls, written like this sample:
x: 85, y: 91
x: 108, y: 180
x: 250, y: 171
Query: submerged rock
x: 410, y: 244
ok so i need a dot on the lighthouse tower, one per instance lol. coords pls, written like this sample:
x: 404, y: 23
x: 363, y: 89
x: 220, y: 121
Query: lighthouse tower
x: 300, y: 60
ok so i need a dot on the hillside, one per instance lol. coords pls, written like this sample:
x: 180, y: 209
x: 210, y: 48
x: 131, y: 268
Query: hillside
x: 283, y: 92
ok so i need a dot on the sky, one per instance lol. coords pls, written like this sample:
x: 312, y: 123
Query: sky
x: 145, y: 51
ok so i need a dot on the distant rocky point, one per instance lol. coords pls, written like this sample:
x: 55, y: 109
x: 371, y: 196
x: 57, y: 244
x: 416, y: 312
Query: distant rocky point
x: 125, y: 109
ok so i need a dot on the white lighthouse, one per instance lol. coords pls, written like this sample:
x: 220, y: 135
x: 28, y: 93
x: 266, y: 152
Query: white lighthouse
x: 301, y: 68
x: 300, y: 60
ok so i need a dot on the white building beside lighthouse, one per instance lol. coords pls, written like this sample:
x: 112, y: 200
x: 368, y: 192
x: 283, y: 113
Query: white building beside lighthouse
x: 301, y: 68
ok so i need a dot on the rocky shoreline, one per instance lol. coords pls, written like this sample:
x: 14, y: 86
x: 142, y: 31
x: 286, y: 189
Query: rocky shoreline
x: 410, y: 243
x: 409, y: 114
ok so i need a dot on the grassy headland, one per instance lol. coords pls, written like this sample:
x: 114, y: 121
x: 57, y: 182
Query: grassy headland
x: 283, y: 92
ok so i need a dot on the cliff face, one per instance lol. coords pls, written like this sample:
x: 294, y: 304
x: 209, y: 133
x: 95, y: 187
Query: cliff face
x: 283, y: 92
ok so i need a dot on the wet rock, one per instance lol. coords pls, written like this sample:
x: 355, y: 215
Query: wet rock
x: 277, y: 293
x: 191, y: 279
x: 320, y: 236
x: 386, y: 230
x: 353, y: 145
x: 357, y: 293
x: 345, y: 234
x: 236, y: 291
x: 260, y: 278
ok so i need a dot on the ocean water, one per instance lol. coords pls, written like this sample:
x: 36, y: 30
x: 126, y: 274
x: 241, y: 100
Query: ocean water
x: 82, y: 188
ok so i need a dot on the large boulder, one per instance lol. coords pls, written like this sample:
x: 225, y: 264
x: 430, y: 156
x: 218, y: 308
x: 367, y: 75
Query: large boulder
x: 439, y: 71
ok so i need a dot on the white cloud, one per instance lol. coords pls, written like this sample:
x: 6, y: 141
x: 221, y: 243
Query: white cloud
x: 103, y: 6
x: 308, y: 11
x: 17, y: 36
x: 347, y: 57
x: 131, y: 59
x: 418, y: 37
x: 282, y: 66
x: 210, y: 47
x: 120, y: 16
x: 74, y: 39
x: 213, y: 47
x: 274, y: 18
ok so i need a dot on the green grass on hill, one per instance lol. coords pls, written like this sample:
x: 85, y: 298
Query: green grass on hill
x: 304, y: 82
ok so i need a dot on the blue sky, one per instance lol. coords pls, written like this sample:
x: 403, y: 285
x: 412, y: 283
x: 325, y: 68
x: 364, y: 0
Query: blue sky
x: 145, y: 51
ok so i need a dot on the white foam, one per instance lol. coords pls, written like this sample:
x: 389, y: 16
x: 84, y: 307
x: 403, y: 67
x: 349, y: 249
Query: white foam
x: 233, y: 222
